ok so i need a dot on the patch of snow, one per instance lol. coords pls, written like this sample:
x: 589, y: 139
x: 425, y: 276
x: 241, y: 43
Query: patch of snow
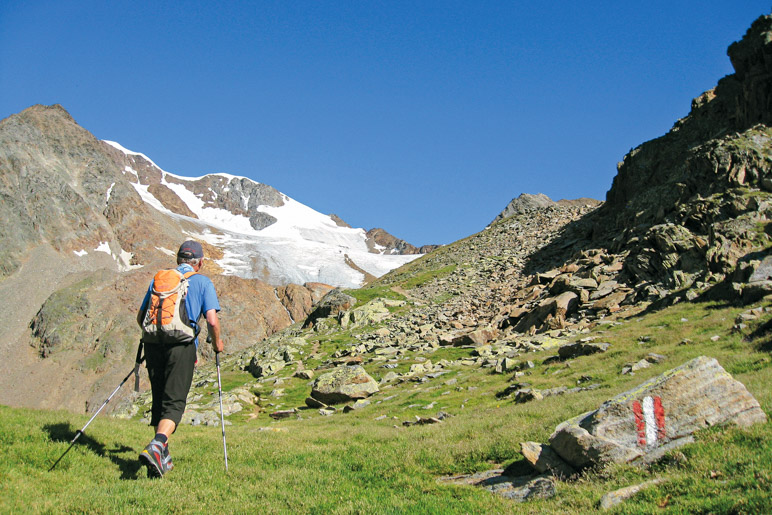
x: 128, y: 169
x: 148, y: 197
x: 109, y: 192
x: 167, y: 251
x: 80, y: 253
x: 123, y: 259
x: 130, y: 152
x: 285, y: 307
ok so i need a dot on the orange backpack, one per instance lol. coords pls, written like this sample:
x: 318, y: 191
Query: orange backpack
x: 166, y: 319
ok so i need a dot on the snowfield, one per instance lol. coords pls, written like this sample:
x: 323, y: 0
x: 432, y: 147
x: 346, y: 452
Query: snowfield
x: 302, y: 246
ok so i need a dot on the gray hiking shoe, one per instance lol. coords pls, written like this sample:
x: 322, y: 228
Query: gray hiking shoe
x: 156, y: 458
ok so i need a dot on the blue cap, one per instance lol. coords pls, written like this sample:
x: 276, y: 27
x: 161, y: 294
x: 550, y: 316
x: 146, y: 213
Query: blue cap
x: 190, y: 249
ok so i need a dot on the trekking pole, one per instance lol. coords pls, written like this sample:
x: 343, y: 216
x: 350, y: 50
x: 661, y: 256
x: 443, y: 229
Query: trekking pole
x: 135, y: 372
x: 222, y: 418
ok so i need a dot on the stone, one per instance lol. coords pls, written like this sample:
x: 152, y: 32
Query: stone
x: 585, y: 284
x: 505, y: 365
x: 610, y: 301
x: 343, y: 384
x: 543, y: 459
x: 332, y: 304
x: 514, y: 488
x: 617, y: 497
x: 475, y: 338
x: 604, y: 288
x: 763, y: 271
x: 389, y: 377
x: 759, y: 283
x: 574, y: 350
x: 549, y: 314
x: 260, y: 368
x: 420, y: 421
x: 369, y: 314
x: 313, y: 403
x: 278, y: 415
x: 527, y: 395
x: 304, y: 374
x: 695, y: 395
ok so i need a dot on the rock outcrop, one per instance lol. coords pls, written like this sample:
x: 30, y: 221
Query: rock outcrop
x: 527, y: 202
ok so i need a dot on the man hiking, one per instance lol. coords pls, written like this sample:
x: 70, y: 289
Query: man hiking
x: 169, y: 316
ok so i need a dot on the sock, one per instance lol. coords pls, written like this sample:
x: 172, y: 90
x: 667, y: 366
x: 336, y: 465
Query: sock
x: 160, y: 437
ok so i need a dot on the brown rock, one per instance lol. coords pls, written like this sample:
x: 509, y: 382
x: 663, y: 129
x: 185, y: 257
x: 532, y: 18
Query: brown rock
x: 543, y: 459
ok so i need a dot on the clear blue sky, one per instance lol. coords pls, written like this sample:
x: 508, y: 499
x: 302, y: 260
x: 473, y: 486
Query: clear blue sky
x: 424, y: 118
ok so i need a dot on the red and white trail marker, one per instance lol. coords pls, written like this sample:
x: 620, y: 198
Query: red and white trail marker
x: 649, y: 420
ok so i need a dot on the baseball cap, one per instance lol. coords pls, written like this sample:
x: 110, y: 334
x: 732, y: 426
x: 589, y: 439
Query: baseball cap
x: 190, y: 249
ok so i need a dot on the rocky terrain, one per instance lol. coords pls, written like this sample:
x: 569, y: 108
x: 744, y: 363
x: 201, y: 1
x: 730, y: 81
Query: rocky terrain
x: 686, y: 220
x: 629, y: 326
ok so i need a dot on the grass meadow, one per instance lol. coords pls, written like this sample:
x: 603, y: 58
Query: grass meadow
x: 366, y: 461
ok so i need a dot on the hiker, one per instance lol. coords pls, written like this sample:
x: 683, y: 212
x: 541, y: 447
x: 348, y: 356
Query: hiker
x: 170, y: 347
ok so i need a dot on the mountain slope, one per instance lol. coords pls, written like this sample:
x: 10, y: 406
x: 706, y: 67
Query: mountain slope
x: 86, y: 223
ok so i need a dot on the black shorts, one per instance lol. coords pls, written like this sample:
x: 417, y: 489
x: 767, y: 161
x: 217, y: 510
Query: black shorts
x: 170, y: 368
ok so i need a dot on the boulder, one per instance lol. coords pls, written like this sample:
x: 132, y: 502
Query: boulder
x: 343, y: 384
x: 760, y: 282
x: 665, y: 409
x: 475, y: 338
x: 505, y: 365
x: 574, y: 350
x: 549, y: 314
x: 369, y: 314
x: 261, y: 368
x: 332, y: 304
x: 543, y: 459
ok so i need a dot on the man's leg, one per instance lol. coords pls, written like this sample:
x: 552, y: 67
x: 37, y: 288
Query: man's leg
x: 166, y: 427
x: 171, y: 384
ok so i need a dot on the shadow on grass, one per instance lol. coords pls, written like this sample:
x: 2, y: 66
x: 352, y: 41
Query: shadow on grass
x: 762, y: 336
x: 65, y: 433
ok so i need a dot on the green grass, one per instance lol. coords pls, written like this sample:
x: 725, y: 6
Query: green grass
x: 353, y: 463
x: 428, y: 276
x: 365, y: 295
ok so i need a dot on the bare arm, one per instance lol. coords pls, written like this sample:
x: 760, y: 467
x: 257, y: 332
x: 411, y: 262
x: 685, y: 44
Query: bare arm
x: 213, y: 325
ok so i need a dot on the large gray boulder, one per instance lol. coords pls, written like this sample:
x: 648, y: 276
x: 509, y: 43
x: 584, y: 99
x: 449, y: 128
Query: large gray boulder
x: 659, y: 412
x: 343, y: 384
x: 760, y: 282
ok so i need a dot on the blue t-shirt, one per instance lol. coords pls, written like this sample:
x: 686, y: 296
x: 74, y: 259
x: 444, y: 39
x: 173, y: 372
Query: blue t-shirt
x: 200, y: 299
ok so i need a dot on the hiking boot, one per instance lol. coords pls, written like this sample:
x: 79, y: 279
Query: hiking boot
x: 156, y: 458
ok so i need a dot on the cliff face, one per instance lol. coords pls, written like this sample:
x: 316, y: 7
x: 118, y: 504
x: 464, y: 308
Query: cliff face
x: 722, y: 143
x: 691, y: 205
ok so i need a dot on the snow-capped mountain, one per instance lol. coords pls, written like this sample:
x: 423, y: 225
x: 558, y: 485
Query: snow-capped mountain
x: 261, y: 232
x: 85, y: 224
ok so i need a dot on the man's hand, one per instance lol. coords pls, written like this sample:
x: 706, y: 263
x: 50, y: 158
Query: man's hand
x: 213, y: 324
